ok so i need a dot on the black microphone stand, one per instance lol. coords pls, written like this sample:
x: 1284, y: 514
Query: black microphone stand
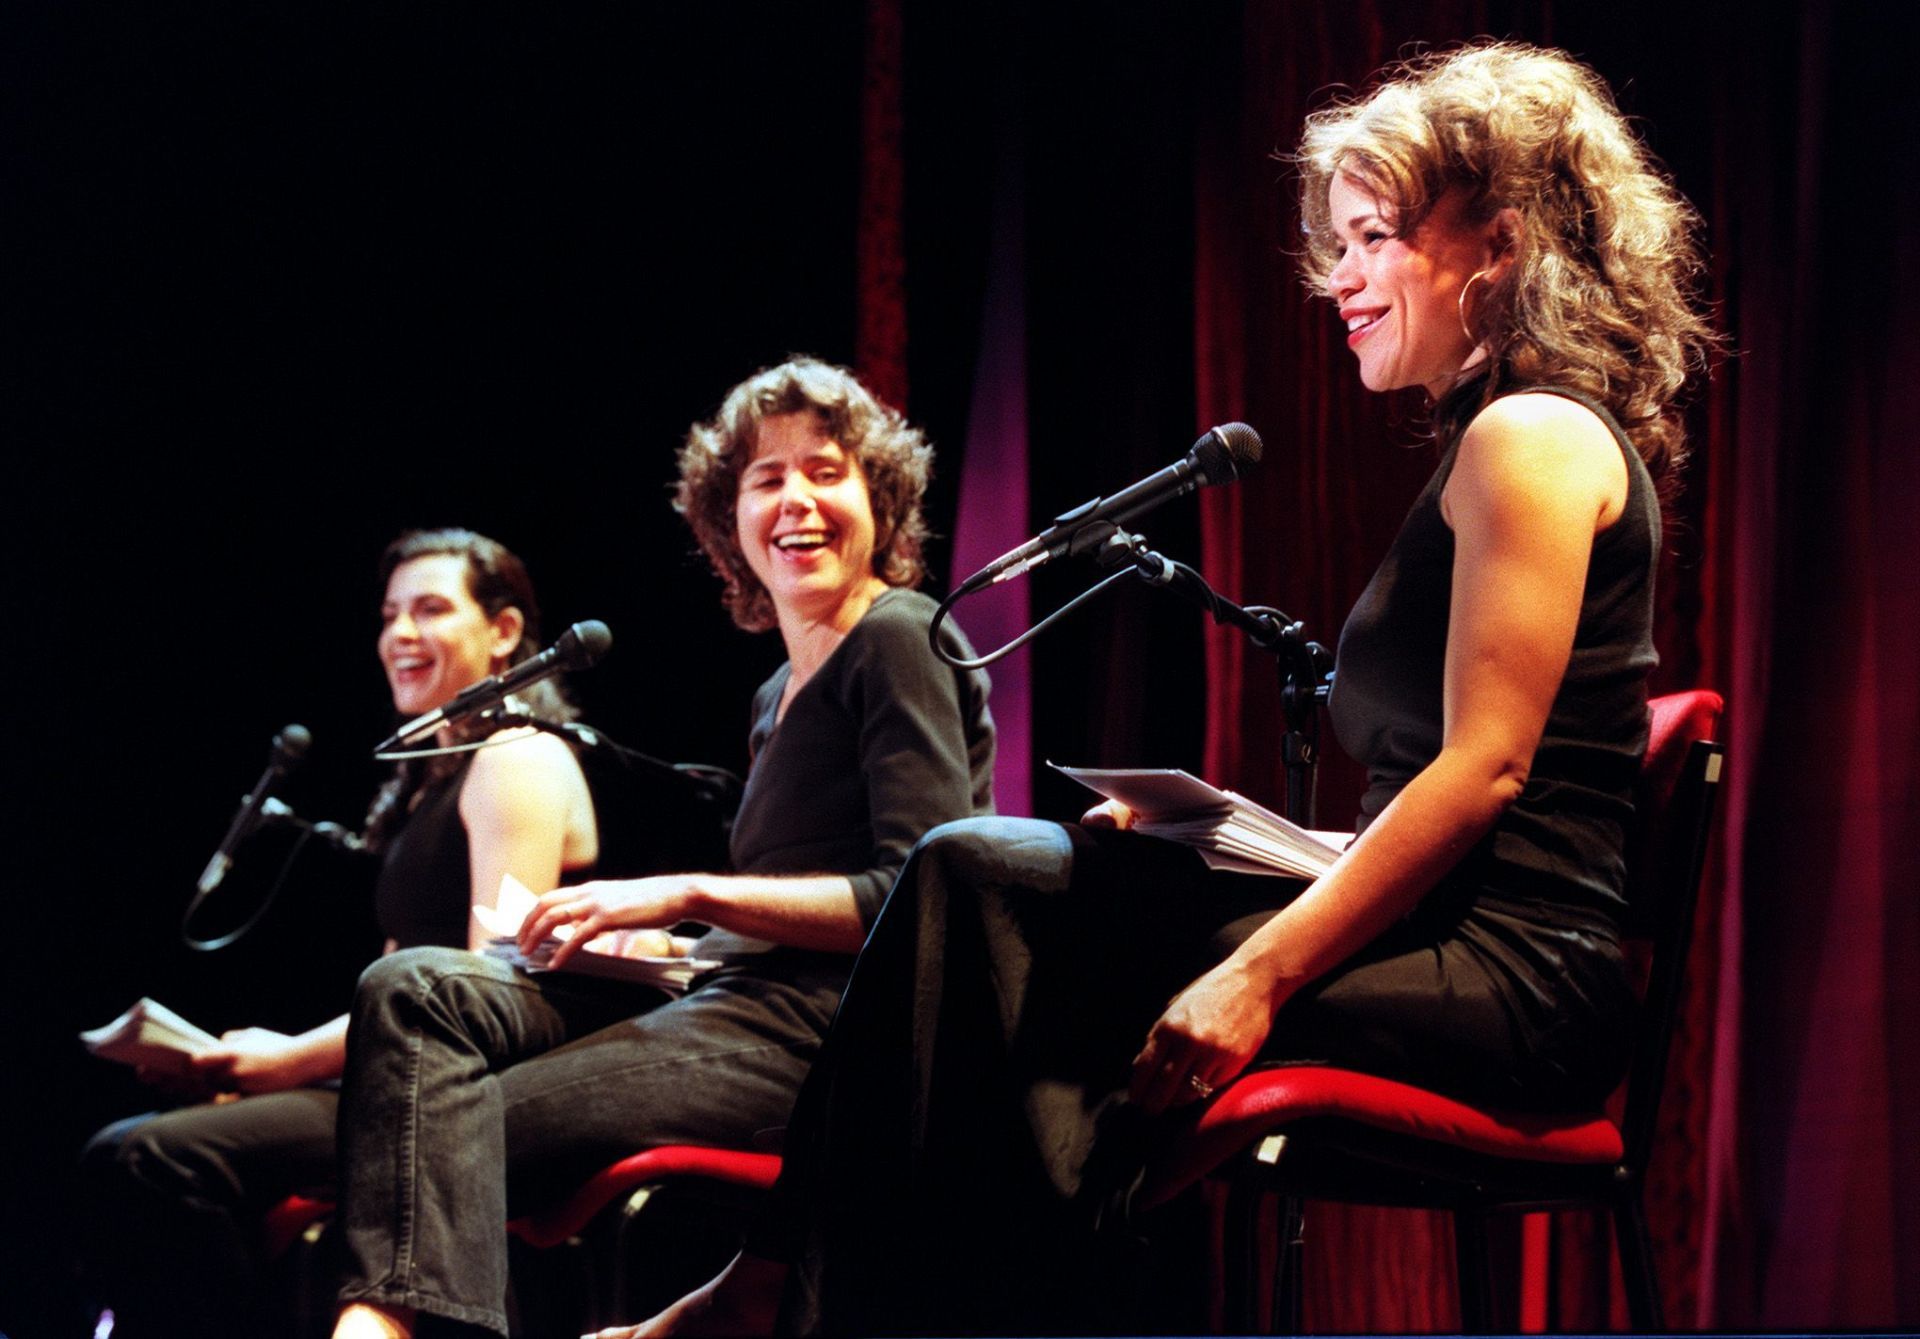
x: 712, y: 784
x: 274, y: 813
x: 1304, y: 666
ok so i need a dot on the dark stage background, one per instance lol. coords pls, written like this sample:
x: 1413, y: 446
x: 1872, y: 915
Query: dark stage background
x: 277, y: 281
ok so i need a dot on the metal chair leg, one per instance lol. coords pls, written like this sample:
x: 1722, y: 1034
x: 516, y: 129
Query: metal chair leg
x: 1288, y: 1265
x: 1240, y: 1257
x: 1636, y: 1262
x: 1473, y: 1266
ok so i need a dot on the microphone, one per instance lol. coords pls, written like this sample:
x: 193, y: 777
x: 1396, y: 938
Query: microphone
x: 579, y: 646
x: 289, y: 747
x: 1217, y: 458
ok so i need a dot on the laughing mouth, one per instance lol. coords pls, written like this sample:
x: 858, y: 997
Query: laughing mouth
x: 809, y: 540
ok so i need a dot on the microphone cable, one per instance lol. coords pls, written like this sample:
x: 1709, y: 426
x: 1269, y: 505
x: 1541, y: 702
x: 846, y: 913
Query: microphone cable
x: 245, y: 927
x: 981, y: 662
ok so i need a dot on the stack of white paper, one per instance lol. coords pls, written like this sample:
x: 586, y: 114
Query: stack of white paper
x: 151, y: 1035
x: 1229, y: 830
x: 502, y: 920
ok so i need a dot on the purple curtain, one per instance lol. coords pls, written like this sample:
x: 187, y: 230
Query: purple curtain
x: 993, y: 494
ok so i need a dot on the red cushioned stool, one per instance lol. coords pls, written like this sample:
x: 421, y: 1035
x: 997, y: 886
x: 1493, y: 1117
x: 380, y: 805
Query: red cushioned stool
x: 634, y: 1237
x: 647, y: 1229
x: 294, y: 1246
x: 1318, y: 1133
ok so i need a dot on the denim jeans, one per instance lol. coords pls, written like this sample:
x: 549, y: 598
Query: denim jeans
x: 474, y: 1092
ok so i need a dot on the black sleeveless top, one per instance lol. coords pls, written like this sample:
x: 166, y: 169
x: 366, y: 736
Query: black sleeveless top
x: 1557, y: 855
x: 424, y: 892
x: 424, y: 895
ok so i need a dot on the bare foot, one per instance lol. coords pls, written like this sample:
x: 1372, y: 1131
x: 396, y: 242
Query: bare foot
x: 741, y: 1302
x: 369, y: 1320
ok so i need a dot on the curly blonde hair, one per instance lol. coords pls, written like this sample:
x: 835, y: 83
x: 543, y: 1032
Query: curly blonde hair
x: 1601, y: 295
x: 894, y: 458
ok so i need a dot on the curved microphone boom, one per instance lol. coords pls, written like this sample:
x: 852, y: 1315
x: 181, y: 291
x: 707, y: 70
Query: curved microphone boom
x: 289, y: 747
x: 338, y: 836
x: 578, y: 647
x: 1218, y: 457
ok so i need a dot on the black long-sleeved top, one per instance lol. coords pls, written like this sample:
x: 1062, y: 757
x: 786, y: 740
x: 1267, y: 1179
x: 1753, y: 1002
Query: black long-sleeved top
x: 884, y: 742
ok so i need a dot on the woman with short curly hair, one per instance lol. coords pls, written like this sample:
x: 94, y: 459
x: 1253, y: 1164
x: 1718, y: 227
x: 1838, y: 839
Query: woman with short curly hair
x: 893, y: 456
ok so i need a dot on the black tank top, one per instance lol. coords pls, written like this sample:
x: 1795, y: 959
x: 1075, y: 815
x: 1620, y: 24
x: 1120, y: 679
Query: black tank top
x: 1558, y: 852
x: 424, y: 892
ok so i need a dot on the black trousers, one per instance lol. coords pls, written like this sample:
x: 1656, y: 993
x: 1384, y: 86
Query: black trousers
x: 475, y: 1092
x: 962, y: 1157
x: 172, y: 1203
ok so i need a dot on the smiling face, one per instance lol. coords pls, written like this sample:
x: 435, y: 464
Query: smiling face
x: 1399, y: 296
x: 435, y: 638
x: 806, y: 522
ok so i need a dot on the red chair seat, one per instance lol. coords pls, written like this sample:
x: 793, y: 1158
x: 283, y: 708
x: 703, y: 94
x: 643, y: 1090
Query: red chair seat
x: 285, y: 1221
x: 550, y: 1227
x: 1268, y: 1099
x: 601, y: 1276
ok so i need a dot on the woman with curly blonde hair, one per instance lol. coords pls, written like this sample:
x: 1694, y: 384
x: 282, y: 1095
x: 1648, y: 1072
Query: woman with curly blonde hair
x: 1036, y: 999
x: 1594, y: 289
x: 893, y: 456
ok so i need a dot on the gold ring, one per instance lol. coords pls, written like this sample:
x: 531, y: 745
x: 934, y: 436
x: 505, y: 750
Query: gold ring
x: 1199, y: 1085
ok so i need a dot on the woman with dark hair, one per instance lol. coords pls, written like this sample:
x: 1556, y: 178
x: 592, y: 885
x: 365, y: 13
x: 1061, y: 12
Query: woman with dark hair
x: 180, y: 1193
x: 473, y: 1090
x: 1036, y: 998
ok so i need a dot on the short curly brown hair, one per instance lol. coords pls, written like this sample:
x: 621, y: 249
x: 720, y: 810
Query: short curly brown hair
x: 1602, y: 297
x: 894, y: 458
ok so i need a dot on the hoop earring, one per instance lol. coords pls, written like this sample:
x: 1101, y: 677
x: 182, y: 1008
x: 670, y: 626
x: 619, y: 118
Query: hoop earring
x: 1461, y: 304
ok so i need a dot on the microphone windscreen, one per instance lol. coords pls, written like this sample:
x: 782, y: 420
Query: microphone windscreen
x: 1226, y: 451
x: 292, y: 743
x: 584, y: 643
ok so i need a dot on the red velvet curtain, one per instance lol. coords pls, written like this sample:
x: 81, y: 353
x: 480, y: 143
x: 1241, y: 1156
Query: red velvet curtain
x: 1783, y: 1196
x: 1811, y: 1217
x: 880, y: 339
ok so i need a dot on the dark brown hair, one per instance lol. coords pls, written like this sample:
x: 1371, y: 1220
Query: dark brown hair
x: 497, y: 580
x: 894, y: 458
